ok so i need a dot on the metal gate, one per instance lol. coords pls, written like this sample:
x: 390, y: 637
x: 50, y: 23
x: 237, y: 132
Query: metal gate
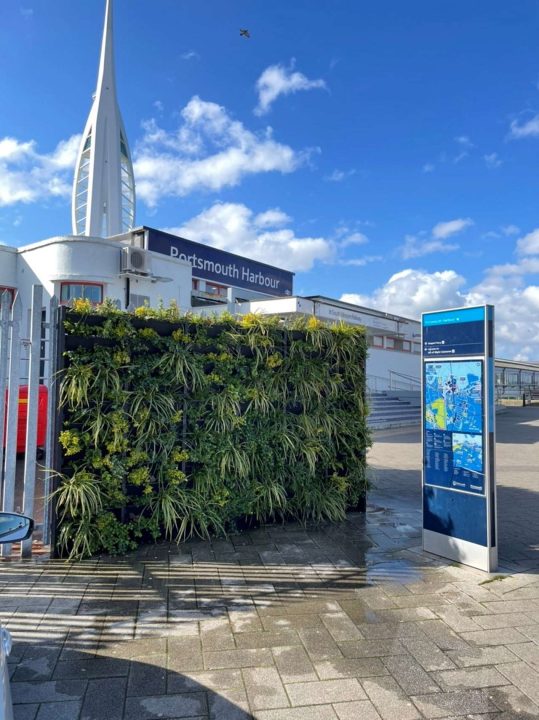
x: 29, y: 359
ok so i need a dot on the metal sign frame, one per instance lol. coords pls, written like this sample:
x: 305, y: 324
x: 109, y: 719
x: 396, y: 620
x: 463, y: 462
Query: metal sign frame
x: 462, y: 508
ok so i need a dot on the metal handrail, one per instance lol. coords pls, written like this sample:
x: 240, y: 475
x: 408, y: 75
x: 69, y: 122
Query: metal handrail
x: 411, y: 378
x: 391, y: 381
x: 411, y: 382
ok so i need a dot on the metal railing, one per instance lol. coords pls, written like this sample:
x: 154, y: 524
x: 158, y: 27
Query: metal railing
x: 401, y: 381
x: 392, y: 381
x: 520, y: 391
x: 14, y: 350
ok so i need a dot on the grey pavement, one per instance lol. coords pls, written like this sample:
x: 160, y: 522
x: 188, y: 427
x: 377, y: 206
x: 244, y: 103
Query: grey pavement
x: 343, y: 622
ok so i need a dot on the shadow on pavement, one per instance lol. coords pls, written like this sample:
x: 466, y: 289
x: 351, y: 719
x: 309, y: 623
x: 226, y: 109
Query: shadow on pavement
x: 114, y: 688
x: 126, y: 688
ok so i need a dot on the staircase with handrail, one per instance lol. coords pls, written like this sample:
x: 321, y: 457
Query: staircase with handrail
x: 394, y: 400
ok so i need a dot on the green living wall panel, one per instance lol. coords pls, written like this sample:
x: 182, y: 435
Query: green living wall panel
x: 180, y: 425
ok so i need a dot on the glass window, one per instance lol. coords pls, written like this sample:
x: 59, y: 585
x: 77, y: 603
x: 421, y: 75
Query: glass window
x: 406, y: 345
x: 89, y: 291
x: 214, y: 289
x: 377, y: 341
x: 390, y: 343
x: 10, y: 290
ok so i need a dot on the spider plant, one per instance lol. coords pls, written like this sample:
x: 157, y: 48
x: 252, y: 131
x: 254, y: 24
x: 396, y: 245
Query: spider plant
x: 151, y: 410
x: 223, y: 411
x: 181, y: 366
x: 78, y: 539
x: 76, y: 383
x: 232, y: 460
x: 79, y: 495
x: 269, y: 499
x: 261, y: 399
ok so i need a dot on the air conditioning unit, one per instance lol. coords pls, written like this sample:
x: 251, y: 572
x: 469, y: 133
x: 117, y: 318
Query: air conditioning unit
x: 135, y: 260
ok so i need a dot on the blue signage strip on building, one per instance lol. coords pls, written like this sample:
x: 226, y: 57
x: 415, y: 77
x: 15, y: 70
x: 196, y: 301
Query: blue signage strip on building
x: 220, y: 266
x: 459, y: 513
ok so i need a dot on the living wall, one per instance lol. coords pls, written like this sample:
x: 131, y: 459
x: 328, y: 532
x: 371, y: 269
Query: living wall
x: 180, y: 425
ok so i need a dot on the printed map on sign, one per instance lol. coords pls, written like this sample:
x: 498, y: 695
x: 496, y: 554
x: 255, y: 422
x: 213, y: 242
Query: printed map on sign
x: 468, y: 452
x: 453, y: 396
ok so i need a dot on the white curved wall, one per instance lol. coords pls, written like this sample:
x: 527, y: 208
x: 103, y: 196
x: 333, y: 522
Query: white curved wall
x: 80, y: 258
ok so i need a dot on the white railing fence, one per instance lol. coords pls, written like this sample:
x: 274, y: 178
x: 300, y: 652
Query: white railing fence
x: 392, y: 381
x: 31, y: 361
x: 401, y: 381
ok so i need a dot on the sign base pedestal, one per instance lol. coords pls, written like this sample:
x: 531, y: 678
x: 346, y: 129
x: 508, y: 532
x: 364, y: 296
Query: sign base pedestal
x: 462, y: 551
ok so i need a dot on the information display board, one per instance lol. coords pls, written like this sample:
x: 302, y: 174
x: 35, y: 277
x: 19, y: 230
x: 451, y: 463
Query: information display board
x: 459, y: 499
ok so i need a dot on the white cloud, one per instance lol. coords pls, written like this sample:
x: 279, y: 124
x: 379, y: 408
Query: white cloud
x: 530, y: 128
x: 209, y: 151
x: 362, y: 261
x: 27, y: 175
x: 278, y: 80
x: 445, y: 229
x: 516, y: 316
x: 531, y: 294
x: 272, y: 218
x: 235, y: 228
x: 422, y: 244
x: 428, y: 168
x: 415, y: 247
x: 190, y: 55
x: 340, y: 175
x: 529, y: 244
x: 460, y: 157
x: 510, y: 230
x: 525, y: 266
x: 411, y: 292
x: 464, y: 141
x: 492, y: 161
x: 355, y: 238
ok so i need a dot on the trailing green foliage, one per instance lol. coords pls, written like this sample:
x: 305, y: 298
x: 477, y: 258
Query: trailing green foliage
x: 177, y: 426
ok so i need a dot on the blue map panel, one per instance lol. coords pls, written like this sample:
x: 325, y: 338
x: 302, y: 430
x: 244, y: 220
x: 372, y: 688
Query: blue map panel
x: 453, y: 396
x: 468, y: 451
x: 453, y: 411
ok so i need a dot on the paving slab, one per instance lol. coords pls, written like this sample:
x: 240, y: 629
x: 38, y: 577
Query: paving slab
x: 285, y: 622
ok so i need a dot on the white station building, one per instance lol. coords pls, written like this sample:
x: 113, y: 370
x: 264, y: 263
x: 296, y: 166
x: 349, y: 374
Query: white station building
x: 109, y: 256
x: 147, y: 266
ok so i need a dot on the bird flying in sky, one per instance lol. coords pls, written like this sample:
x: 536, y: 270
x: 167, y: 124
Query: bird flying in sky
x: 245, y: 33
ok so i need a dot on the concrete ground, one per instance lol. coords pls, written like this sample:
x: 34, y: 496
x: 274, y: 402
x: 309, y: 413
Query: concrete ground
x: 346, y: 622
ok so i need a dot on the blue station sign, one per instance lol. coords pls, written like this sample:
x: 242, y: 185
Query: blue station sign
x: 221, y: 266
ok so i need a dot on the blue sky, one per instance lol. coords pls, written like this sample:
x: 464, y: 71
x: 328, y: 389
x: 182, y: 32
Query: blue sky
x: 387, y: 152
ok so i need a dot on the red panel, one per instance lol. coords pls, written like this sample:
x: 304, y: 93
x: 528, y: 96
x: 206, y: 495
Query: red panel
x: 23, y: 414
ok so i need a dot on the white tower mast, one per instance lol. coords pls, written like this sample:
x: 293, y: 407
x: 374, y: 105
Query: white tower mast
x: 103, y: 202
